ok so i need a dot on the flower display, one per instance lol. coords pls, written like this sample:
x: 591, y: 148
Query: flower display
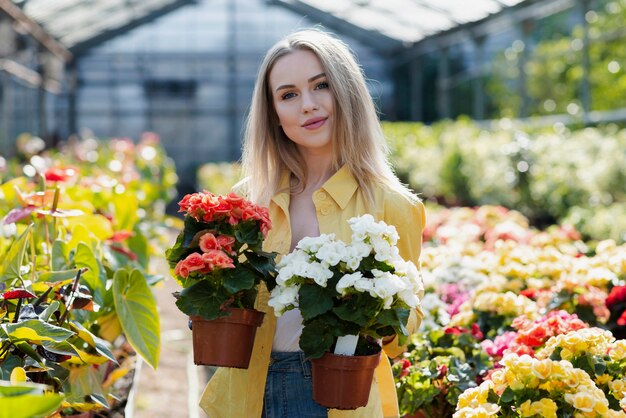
x: 437, y: 367
x: 363, y: 287
x: 530, y: 387
x: 218, y: 257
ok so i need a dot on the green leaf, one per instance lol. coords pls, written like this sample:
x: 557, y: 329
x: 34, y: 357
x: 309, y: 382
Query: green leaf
x: 27, y: 349
x: 315, y: 300
x: 99, y: 344
x: 508, y: 395
x: 29, y: 406
x: 96, y: 282
x: 83, y: 381
x: 238, y: 279
x: 396, y: 318
x: 7, y: 365
x: 202, y: 299
x: 35, y: 332
x: 136, y: 307
x: 15, y: 256
x: 138, y: 244
x: 50, y: 309
x: 352, y: 311
x: 57, y: 276
x: 63, y: 348
x: 125, y: 208
x: 318, y: 336
x: 249, y: 233
x: 59, y: 255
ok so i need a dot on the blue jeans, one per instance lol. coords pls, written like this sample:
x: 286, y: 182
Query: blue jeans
x: 289, y: 389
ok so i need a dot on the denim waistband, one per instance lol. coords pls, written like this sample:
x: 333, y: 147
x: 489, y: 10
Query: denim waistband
x: 289, y: 361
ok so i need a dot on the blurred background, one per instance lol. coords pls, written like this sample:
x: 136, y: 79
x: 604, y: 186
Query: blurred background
x: 515, y: 108
x: 185, y: 69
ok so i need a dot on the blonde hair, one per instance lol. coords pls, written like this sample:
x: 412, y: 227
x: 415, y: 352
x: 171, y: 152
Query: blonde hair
x: 358, y: 141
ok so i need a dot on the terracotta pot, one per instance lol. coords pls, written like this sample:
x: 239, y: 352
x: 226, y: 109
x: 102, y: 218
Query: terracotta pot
x: 343, y: 382
x: 228, y: 341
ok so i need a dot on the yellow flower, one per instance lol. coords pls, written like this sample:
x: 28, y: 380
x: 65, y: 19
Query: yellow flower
x: 618, y: 388
x: 618, y: 350
x: 545, y: 408
x: 483, y: 411
x: 526, y: 409
x: 605, y: 378
x: 583, y: 401
x: 475, y: 396
x: 542, y: 368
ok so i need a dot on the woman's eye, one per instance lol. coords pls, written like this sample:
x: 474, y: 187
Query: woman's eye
x: 288, y: 95
x: 322, y: 85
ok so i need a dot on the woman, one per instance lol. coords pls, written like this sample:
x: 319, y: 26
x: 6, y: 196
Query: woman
x: 315, y: 154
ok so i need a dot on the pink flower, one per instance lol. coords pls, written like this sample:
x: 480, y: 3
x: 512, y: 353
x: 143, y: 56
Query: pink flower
x: 208, y: 242
x: 215, y: 259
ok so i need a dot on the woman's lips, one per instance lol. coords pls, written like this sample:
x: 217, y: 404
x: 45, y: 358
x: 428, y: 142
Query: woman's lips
x: 314, y: 123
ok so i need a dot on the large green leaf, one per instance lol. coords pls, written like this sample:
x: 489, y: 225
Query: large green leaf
x: 57, y: 276
x: 238, y: 279
x: 95, y: 280
x: 59, y: 255
x: 125, y: 208
x: 29, y: 406
x: 202, y: 299
x: 35, y: 331
x: 138, y: 244
x: 315, y: 300
x: 99, y: 344
x: 84, y: 382
x: 13, y: 259
x: 136, y: 309
x: 318, y: 336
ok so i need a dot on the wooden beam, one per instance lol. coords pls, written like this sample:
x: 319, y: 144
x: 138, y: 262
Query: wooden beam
x: 37, y: 32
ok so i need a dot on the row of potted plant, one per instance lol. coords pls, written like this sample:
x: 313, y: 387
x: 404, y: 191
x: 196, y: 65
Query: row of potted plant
x: 519, y: 322
x: 76, y: 305
x: 548, y: 174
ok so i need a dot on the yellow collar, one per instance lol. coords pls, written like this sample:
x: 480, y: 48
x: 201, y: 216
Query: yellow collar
x: 341, y: 186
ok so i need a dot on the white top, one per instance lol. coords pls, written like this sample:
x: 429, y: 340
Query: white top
x: 288, y: 330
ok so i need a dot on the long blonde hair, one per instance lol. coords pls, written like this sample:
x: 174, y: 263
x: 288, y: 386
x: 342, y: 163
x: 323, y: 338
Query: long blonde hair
x: 358, y: 141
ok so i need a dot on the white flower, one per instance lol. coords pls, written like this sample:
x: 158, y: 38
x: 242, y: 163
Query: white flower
x: 317, y: 272
x: 283, y: 298
x: 332, y: 252
x: 383, y: 250
x: 347, y: 281
x: 312, y: 244
x: 386, y: 286
x: 409, y: 297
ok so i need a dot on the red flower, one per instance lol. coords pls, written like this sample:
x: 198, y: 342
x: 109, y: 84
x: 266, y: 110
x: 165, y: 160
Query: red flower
x: 454, y: 330
x: 59, y: 173
x: 443, y: 370
x: 622, y: 319
x: 476, y: 332
x: 617, y: 295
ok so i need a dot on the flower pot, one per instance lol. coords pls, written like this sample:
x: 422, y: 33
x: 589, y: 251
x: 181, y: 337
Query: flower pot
x: 227, y: 341
x: 343, y: 382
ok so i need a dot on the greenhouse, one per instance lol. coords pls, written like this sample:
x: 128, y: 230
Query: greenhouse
x: 120, y: 120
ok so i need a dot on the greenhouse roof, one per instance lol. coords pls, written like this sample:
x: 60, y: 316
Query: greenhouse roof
x: 81, y: 24
x: 406, y: 21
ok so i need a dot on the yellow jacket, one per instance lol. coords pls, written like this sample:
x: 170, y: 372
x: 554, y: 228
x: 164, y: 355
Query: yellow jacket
x: 237, y: 393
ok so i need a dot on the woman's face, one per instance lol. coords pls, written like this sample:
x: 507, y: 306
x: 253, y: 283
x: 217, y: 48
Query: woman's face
x: 303, y: 100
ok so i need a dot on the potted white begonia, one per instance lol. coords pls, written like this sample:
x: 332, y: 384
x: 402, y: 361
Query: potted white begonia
x: 350, y: 295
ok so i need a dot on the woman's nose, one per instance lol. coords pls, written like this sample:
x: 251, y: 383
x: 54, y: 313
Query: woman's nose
x: 308, y: 102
